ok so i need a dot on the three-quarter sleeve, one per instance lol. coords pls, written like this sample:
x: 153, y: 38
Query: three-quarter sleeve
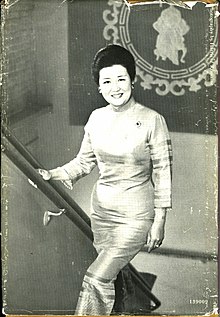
x: 161, y: 157
x: 84, y: 162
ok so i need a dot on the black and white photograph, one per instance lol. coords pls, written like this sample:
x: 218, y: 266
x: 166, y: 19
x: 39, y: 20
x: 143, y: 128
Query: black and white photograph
x: 109, y: 157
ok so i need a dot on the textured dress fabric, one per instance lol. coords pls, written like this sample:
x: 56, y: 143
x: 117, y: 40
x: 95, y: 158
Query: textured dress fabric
x: 132, y: 149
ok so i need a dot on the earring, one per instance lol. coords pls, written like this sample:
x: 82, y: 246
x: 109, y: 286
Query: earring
x: 132, y: 86
x: 99, y: 90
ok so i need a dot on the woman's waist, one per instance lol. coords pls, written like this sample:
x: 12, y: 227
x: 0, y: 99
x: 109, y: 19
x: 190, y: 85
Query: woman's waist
x: 122, y: 173
x: 119, y: 182
x: 124, y: 198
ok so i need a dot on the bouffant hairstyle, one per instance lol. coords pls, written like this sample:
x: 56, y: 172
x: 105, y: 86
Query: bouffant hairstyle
x: 113, y: 55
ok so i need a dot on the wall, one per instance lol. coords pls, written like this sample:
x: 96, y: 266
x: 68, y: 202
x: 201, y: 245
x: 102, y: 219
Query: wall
x: 18, y: 52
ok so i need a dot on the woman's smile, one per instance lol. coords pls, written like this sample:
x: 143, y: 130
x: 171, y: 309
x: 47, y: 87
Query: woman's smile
x: 117, y: 96
x: 115, y: 85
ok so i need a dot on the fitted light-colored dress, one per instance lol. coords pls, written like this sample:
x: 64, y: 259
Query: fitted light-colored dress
x: 132, y: 149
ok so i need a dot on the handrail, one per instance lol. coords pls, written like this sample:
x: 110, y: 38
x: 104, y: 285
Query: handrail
x: 19, y: 155
x: 16, y: 157
x: 32, y: 160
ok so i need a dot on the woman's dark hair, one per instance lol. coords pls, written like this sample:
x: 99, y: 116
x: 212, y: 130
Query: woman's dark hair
x: 113, y: 55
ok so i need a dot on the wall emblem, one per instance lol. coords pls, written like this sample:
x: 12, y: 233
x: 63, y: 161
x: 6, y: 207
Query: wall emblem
x: 171, y: 28
x: 167, y: 72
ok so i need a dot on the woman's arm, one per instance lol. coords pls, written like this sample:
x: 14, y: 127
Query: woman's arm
x: 161, y: 156
x: 80, y: 166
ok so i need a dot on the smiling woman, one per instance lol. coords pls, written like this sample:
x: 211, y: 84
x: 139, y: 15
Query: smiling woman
x: 130, y: 144
x: 115, y: 85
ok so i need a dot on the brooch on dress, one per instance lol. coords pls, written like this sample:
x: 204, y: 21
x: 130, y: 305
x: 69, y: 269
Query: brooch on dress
x: 138, y: 124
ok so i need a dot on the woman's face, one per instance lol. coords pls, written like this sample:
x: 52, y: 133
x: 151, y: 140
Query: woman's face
x: 115, y: 85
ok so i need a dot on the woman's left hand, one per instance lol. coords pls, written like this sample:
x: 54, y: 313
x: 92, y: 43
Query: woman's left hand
x: 156, y: 235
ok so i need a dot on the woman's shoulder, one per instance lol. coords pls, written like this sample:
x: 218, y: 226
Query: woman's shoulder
x: 97, y: 115
x: 147, y: 112
x: 99, y: 112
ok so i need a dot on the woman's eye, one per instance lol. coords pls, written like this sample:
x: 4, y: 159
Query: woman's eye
x: 106, y: 82
x: 121, y: 79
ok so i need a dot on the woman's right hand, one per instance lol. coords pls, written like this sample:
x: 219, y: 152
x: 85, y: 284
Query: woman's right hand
x: 46, y: 175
